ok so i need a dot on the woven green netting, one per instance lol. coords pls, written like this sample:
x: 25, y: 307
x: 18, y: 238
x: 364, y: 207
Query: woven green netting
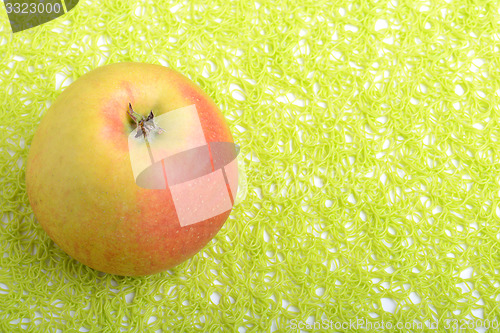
x: 369, y: 135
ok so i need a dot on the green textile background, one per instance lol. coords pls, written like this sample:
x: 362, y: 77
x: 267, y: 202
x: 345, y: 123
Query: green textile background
x: 369, y: 134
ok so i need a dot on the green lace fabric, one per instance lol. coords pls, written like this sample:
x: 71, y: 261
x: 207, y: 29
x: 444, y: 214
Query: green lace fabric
x: 369, y: 136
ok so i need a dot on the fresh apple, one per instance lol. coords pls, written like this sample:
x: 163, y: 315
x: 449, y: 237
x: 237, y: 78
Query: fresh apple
x: 80, y: 181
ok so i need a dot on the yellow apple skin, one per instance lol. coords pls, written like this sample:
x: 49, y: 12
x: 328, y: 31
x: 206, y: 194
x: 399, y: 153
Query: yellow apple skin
x: 79, y: 177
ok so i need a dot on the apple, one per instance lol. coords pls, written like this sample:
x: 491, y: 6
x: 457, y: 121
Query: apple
x: 81, y: 180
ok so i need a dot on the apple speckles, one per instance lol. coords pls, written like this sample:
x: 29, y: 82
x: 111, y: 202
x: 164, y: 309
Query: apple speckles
x: 212, y: 120
x: 112, y: 126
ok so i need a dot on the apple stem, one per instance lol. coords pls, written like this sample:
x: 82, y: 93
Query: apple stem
x: 131, y: 113
x: 140, y: 123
